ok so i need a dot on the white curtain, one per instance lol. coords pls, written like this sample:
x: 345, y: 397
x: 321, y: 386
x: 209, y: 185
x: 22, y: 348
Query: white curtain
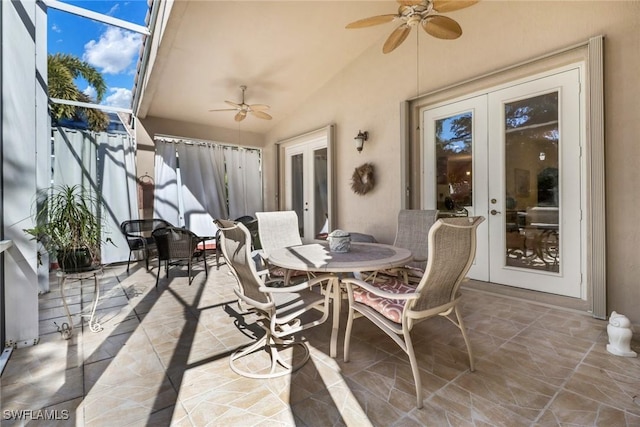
x: 75, y: 159
x: 104, y: 165
x: 202, y: 187
x: 244, y: 181
x: 117, y: 177
x: 165, y: 200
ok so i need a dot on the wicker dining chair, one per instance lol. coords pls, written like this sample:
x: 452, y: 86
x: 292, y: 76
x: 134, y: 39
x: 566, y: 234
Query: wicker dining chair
x: 177, y: 245
x: 282, y: 312
x: 396, y: 306
x: 138, y: 235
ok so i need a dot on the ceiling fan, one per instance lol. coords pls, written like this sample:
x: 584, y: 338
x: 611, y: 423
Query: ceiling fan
x: 423, y: 12
x: 244, y: 108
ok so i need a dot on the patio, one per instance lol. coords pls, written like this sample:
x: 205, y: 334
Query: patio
x: 162, y: 359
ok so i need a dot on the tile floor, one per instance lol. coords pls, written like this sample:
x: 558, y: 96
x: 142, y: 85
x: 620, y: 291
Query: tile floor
x: 163, y: 359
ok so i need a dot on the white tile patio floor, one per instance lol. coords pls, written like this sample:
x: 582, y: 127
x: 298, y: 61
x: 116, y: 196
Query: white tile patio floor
x: 163, y: 359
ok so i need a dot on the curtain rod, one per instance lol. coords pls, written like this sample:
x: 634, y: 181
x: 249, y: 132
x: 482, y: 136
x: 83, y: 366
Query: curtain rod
x: 192, y: 141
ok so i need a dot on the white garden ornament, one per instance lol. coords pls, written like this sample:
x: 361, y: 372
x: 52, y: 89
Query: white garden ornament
x: 619, y: 331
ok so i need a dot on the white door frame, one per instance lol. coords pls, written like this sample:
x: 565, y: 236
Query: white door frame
x: 314, y: 139
x: 492, y: 172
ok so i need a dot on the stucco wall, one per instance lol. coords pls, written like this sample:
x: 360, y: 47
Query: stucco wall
x: 367, y: 95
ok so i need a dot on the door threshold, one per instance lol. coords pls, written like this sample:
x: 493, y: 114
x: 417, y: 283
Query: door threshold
x: 542, y: 298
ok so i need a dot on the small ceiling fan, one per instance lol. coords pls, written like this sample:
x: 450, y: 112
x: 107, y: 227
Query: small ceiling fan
x: 244, y: 108
x: 423, y: 12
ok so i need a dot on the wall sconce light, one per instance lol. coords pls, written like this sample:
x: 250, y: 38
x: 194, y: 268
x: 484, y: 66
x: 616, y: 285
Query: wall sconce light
x: 360, y: 139
x: 542, y: 156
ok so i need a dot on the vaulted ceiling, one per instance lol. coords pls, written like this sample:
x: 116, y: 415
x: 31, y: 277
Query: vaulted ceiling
x: 283, y: 51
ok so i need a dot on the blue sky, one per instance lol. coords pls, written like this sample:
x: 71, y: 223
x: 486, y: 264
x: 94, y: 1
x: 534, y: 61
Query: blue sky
x: 111, y: 50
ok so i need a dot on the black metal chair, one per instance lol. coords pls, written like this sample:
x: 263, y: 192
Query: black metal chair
x: 138, y: 235
x: 175, y: 245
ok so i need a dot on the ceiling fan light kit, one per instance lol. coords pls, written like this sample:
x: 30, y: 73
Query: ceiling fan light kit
x: 425, y: 13
x: 242, y: 109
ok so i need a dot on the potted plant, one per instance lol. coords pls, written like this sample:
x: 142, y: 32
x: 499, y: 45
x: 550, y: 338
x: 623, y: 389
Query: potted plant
x: 68, y: 227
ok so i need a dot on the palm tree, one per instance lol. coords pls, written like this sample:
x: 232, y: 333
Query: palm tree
x: 63, y: 69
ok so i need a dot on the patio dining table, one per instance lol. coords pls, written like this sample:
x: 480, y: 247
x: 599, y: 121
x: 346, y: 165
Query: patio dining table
x: 317, y: 258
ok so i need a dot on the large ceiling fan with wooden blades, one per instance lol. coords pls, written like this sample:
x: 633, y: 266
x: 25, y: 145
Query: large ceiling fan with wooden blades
x: 243, y: 108
x: 426, y: 13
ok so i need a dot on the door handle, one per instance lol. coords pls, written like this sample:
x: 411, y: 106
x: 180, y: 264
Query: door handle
x: 494, y: 212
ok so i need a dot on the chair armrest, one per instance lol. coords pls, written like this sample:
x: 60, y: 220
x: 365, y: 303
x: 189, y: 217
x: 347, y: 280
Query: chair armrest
x: 377, y: 291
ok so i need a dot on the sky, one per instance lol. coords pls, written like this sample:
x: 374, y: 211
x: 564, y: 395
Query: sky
x: 111, y: 50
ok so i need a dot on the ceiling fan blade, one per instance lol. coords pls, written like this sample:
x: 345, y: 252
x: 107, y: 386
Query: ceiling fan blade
x: 396, y: 38
x: 261, y: 115
x: 240, y: 116
x: 233, y: 104
x: 410, y: 2
x: 373, y: 20
x: 259, y: 107
x: 443, y: 6
x: 223, y: 109
x: 442, y: 27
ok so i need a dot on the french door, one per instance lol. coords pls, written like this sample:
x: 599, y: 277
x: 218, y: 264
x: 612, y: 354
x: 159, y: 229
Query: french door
x: 513, y: 155
x: 306, y: 186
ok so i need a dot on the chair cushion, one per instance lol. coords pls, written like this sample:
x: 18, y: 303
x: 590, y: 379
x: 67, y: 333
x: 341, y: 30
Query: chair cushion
x: 389, y: 308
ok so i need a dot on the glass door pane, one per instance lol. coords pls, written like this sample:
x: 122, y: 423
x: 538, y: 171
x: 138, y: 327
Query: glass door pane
x: 320, y: 193
x: 532, y: 208
x: 297, y: 188
x: 454, y: 165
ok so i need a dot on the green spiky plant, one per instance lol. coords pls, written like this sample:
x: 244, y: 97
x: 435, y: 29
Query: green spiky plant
x: 68, y: 226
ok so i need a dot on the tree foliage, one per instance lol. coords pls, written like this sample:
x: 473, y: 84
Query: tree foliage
x: 62, y: 71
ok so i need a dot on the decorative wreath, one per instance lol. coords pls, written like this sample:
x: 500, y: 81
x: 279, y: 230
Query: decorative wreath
x: 362, y: 179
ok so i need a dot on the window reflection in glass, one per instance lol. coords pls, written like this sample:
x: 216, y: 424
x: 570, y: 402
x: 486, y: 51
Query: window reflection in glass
x: 531, y: 183
x: 454, y: 173
x: 297, y: 189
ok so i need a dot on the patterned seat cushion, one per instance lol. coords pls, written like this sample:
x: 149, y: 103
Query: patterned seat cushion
x: 389, y: 308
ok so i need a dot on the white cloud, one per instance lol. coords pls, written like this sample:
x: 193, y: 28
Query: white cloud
x: 120, y: 97
x: 90, y: 92
x: 113, y: 9
x: 55, y: 29
x: 114, y: 52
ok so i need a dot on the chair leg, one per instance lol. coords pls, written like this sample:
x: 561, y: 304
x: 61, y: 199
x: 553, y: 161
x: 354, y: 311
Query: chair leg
x: 189, y: 270
x: 206, y: 270
x: 347, y: 335
x: 158, y: 271
x: 466, y: 338
x: 414, y: 367
x: 129, y: 261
